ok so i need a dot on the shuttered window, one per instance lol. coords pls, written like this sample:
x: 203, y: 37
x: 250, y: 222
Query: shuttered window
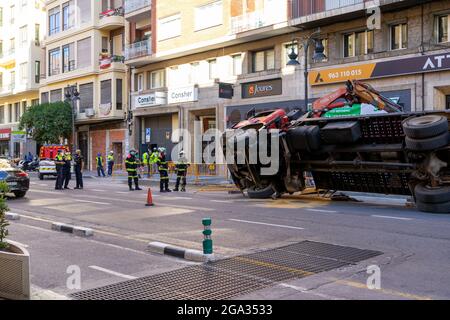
x: 119, y: 94
x: 56, y: 95
x: 17, y: 111
x: 84, y: 53
x: 2, y: 114
x: 44, y: 97
x: 86, y: 96
x: 105, y: 92
x: 84, y: 6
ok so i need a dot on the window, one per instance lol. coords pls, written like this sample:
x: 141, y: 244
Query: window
x: 37, y: 71
x: 399, y: 36
x: 34, y: 102
x: 13, y: 80
x: 86, y: 96
x: 105, y: 92
x: 237, y: 64
x: 16, y: 111
x: 56, y: 95
x: 140, y: 82
x: 53, y: 21
x: 358, y: 43
x: 209, y: 15
x: 12, y: 46
x: 157, y: 79
x: 24, y: 72
x: 23, y: 36
x: 1, y: 48
x: 194, y: 74
x: 1, y: 81
x: 37, y: 36
x: 1, y: 16
x: 12, y: 11
x: 2, y: 114
x: 442, y: 29
x: 24, y: 3
x: 85, y: 7
x: 119, y: 89
x: 212, y: 65
x: 68, y: 57
x: 169, y: 27
x: 24, y: 107
x: 83, y: 53
x: 105, y: 43
x: 54, y: 58
x: 44, y: 97
x: 10, y: 113
x: 68, y: 10
x: 263, y: 60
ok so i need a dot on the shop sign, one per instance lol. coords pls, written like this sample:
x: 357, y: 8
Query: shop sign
x: 149, y: 100
x: 226, y: 90
x: 185, y: 94
x: 18, y: 135
x: 396, y: 67
x: 262, y: 88
x: 5, y: 134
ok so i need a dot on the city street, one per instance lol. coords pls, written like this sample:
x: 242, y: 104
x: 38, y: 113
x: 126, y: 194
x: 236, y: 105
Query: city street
x: 414, y: 246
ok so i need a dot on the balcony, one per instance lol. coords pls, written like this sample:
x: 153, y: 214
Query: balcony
x: 137, y: 9
x: 107, y: 61
x: 256, y: 20
x: 111, y: 19
x: 138, y: 50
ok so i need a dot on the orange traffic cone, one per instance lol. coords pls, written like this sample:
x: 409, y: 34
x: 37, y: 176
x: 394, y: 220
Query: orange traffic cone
x: 149, y: 198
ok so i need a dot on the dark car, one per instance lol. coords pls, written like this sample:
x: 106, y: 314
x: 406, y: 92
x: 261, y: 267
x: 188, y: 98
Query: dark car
x: 17, y: 180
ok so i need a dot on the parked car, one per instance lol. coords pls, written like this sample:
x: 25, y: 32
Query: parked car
x: 17, y: 180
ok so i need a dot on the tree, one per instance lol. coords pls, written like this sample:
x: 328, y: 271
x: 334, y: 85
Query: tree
x: 3, y: 222
x: 48, y: 122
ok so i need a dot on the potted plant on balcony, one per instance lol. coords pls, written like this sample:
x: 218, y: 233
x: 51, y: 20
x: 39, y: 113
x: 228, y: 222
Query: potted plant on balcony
x: 14, y: 260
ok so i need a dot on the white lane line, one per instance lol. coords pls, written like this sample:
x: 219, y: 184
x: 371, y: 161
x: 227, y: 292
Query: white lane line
x: 94, y: 202
x: 180, y: 198
x: 267, y: 224
x: 304, y: 290
x: 114, y: 273
x: 221, y: 201
x: 98, y: 190
x: 321, y: 210
x: 42, y: 184
x: 390, y: 217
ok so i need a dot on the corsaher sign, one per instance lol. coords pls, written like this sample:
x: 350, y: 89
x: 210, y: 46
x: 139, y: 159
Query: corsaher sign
x: 262, y: 88
x: 396, y: 67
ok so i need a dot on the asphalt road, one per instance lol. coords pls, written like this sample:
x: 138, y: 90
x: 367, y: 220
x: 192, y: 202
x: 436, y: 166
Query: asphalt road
x: 415, y: 245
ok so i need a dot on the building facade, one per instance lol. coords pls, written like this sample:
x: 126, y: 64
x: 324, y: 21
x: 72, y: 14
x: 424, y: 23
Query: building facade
x: 84, y: 47
x: 22, y: 25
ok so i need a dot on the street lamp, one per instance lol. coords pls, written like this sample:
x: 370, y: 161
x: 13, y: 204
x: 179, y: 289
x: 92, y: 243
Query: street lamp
x: 318, y: 56
x: 72, y: 95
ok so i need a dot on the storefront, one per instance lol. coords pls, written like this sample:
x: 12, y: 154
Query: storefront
x: 5, y: 137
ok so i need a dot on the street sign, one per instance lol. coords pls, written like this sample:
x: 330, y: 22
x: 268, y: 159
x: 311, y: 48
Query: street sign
x: 148, y: 134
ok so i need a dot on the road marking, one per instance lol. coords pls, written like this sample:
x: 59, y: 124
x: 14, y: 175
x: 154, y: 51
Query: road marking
x: 180, y: 198
x: 321, y: 210
x: 304, y: 290
x: 267, y: 224
x: 98, y: 190
x: 114, y: 273
x: 221, y: 201
x: 95, y: 202
x: 390, y: 217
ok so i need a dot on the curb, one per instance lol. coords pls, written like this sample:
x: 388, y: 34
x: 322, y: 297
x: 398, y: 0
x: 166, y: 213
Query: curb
x: 12, y: 216
x: 78, y: 231
x: 178, y: 252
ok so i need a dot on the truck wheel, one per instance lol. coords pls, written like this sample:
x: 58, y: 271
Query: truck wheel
x: 427, y: 194
x: 425, y: 126
x: 443, y: 207
x: 260, y: 193
x: 41, y: 176
x: 19, y: 194
x: 428, y: 143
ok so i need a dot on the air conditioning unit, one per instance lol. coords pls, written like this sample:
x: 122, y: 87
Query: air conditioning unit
x: 89, y: 113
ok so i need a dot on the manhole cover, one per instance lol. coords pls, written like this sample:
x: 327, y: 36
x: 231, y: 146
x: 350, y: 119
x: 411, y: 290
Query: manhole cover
x: 234, y: 276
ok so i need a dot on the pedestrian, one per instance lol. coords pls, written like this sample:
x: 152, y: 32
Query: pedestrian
x: 154, y: 159
x: 59, y: 163
x: 99, y: 160
x: 163, y: 168
x: 131, y: 164
x: 78, y: 159
x: 67, y: 174
x: 110, y: 160
x: 146, y: 161
x: 181, y: 167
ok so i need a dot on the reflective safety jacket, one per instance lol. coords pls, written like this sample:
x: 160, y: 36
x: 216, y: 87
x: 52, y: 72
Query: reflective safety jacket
x: 99, y: 161
x: 131, y: 164
x: 163, y: 165
x: 154, y: 157
x: 59, y: 161
x: 67, y: 162
x: 181, y: 166
x: 145, y: 158
x: 110, y: 158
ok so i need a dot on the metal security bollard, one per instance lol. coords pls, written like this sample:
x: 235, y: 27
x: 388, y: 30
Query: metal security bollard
x: 207, y: 241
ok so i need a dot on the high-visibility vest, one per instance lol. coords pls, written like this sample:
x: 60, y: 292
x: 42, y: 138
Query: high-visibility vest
x: 145, y: 158
x: 110, y: 158
x: 154, y: 157
x: 99, y: 161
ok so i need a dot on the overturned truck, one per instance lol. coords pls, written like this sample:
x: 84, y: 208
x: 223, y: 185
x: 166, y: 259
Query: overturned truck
x: 385, y: 151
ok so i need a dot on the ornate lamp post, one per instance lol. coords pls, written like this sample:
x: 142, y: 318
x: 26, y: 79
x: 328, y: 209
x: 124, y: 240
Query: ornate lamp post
x: 72, y: 95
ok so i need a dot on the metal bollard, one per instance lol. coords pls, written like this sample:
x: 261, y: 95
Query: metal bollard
x: 207, y: 241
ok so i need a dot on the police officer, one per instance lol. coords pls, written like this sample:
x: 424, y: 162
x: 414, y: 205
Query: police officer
x: 99, y: 160
x: 163, y: 168
x: 181, y: 167
x: 59, y: 163
x: 78, y: 159
x: 131, y: 164
x: 66, y: 169
x: 110, y: 160
x: 146, y: 161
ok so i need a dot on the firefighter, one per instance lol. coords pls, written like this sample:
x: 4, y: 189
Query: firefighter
x: 146, y: 161
x: 181, y: 168
x: 131, y: 164
x: 59, y: 163
x: 163, y: 168
x: 110, y: 160
x: 99, y: 161
x: 67, y: 175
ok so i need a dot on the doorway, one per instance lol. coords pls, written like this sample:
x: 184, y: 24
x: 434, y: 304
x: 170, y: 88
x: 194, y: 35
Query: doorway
x: 118, y: 155
x: 83, y: 146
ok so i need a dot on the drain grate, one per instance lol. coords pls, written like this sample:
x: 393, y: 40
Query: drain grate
x: 234, y: 276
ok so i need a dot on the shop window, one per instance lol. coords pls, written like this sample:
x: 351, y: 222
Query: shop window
x: 263, y: 60
x: 399, y: 36
x: 358, y: 43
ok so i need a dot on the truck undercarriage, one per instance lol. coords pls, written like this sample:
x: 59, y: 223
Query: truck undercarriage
x: 387, y: 153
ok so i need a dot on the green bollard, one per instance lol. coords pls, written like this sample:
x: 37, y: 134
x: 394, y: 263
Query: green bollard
x: 207, y: 241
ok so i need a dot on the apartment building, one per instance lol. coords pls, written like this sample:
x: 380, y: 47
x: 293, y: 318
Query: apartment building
x: 213, y: 61
x: 22, y: 25
x: 84, y: 47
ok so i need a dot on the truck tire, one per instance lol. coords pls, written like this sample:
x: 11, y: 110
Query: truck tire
x: 19, y: 194
x: 443, y: 207
x: 425, y: 126
x: 262, y: 193
x: 41, y: 176
x: 428, y: 143
x: 427, y: 194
